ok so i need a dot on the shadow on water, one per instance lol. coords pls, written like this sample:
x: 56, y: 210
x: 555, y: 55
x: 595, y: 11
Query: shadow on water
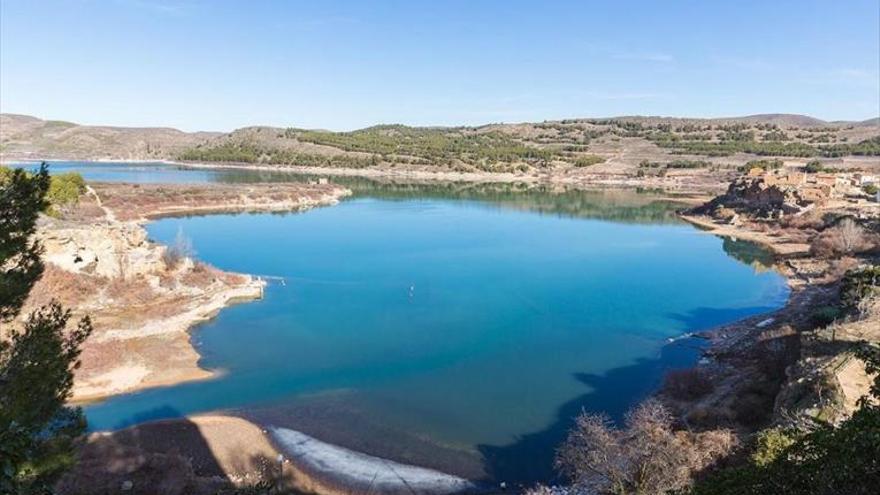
x: 529, y: 460
x: 155, y: 414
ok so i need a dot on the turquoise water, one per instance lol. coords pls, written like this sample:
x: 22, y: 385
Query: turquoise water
x: 449, y: 326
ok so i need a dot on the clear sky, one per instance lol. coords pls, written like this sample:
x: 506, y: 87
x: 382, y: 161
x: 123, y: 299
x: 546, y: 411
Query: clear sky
x: 218, y: 65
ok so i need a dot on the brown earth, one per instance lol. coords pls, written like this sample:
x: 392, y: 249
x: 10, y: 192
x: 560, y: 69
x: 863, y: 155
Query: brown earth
x: 143, y: 298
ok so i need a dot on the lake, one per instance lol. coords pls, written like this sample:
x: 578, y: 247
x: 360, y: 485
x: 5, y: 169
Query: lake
x: 451, y: 326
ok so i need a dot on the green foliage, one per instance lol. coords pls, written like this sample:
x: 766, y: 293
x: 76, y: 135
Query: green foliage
x: 587, y: 161
x: 432, y: 145
x: 729, y: 147
x: 871, y: 189
x: 868, y: 147
x: 65, y: 188
x: 249, y: 153
x: 770, y: 444
x: 858, y: 284
x: 814, y: 167
x: 824, y: 315
x: 826, y: 460
x: 36, y: 362
x: 763, y: 164
x: 740, y: 142
x: 36, y: 375
x: 22, y: 198
x: 490, y: 151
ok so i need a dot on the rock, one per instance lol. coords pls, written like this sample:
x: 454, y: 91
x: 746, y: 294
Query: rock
x: 108, y: 250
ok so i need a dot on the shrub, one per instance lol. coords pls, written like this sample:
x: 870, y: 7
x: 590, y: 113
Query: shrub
x: 859, y: 284
x: 824, y: 315
x: 827, y: 459
x: 589, y: 160
x: 814, y: 166
x: 687, y: 384
x: 178, y: 251
x: 764, y: 164
x: 846, y: 237
x: 871, y: 189
x: 770, y: 444
x: 65, y: 188
x: 646, y: 456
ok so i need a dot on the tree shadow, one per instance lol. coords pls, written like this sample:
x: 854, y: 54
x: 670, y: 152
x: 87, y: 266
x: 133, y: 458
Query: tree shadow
x: 529, y: 460
x: 171, y: 457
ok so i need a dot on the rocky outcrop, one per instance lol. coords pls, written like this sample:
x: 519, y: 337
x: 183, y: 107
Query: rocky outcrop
x: 757, y: 198
x: 142, y: 302
x: 105, y: 249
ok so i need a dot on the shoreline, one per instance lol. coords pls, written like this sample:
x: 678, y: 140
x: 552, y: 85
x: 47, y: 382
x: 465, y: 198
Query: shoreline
x: 578, y: 179
x: 144, y: 311
x: 719, y: 336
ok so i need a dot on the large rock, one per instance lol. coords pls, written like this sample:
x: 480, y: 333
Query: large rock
x: 755, y: 197
x: 108, y: 250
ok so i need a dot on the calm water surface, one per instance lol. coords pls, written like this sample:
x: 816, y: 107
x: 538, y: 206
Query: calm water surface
x: 450, y: 326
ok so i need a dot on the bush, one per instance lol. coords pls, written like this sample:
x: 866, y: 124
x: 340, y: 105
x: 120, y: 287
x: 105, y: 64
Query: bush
x: 687, y: 384
x: 65, y: 188
x: 824, y: 315
x: 846, y: 237
x: 646, y: 456
x: 763, y: 164
x: 814, y: 166
x: 826, y: 460
x: 858, y: 285
x: 589, y: 160
x: 178, y: 251
x: 770, y: 444
x: 871, y: 189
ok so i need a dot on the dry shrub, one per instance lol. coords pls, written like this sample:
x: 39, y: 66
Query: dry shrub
x: 809, y: 220
x: 688, y: 384
x: 70, y: 289
x: 130, y: 291
x: 178, y: 251
x: 847, y: 237
x: 646, y: 456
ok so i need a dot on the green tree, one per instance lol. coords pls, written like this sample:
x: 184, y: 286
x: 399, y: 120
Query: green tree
x: 37, y: 361
x: 827, y: 460
x: 22, y: 198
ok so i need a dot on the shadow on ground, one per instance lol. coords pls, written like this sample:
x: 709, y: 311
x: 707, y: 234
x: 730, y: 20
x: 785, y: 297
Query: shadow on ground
x: 167, y: 457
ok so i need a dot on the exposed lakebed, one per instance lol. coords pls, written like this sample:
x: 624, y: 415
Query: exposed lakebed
x: 455, y: 327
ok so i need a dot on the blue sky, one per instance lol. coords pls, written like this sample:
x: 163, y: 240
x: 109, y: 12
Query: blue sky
x: 218, y: 65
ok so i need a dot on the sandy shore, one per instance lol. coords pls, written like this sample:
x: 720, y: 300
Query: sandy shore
x: 100, y: 263
x: 204, y: 453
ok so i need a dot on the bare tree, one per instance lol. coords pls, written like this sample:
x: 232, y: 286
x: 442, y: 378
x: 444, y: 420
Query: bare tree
x: 178, y: 251
x: 846, y: 237
x: 645, y: 457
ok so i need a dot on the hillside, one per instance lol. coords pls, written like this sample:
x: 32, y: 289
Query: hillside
x: 23, y: 136
x: 633, y: 147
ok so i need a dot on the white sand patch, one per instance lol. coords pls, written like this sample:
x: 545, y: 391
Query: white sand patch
x: 360, y: 473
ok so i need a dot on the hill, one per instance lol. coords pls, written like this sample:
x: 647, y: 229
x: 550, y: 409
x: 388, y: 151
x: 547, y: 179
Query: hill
x: 627, y: 148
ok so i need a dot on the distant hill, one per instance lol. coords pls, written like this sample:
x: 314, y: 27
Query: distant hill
x: 625, y: 143
x: 23, y: 136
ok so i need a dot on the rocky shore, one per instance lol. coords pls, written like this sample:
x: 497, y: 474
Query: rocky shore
x: 142, y: 297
